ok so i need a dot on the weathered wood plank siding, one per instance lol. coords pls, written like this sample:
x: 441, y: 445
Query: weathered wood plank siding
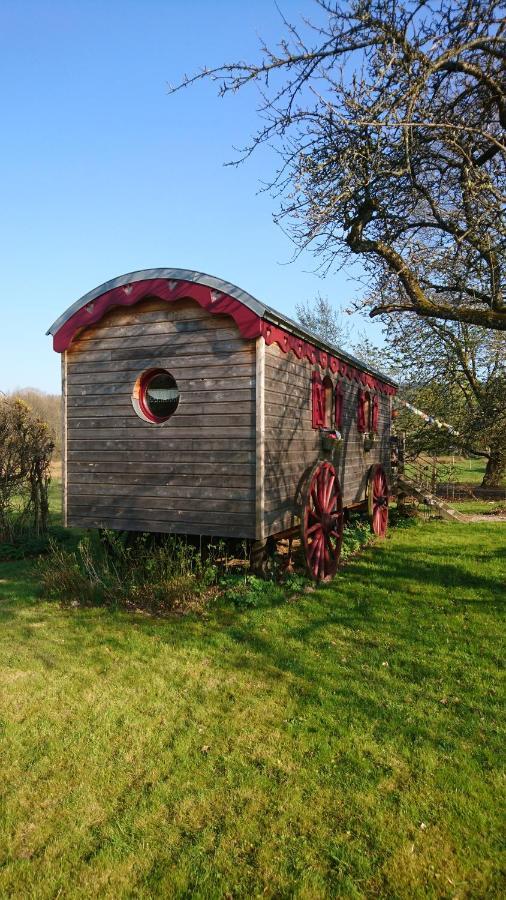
x: 292, y: 446
x: 194, y: 474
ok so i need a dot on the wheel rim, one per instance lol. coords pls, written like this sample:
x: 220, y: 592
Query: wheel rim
x: 322, y: 524
x: 378, y: 501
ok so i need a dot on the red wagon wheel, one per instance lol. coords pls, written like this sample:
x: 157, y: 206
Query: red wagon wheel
x: 378, y: 500
x: 322, y: 522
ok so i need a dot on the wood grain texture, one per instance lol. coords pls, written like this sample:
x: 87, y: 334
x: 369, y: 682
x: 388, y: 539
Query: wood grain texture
x: 121, y: 521
x: 196, y: 473
x: 260, y: 438
x: 292, y: 446
x: 64, y: 443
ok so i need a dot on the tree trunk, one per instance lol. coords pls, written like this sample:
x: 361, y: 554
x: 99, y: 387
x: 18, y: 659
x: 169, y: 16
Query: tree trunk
x: 496, y: 468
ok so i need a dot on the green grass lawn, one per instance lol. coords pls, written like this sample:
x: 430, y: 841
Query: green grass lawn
x: 466, y: 471
x: 481, y: 507
x: 343, y: 743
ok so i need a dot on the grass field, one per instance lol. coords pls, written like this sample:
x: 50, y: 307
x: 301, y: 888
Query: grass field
x: 343, y: 743
x: 481, y: 507
x: 466, y: 471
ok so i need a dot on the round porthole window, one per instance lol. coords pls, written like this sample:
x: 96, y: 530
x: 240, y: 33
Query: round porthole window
x: 156, y: 396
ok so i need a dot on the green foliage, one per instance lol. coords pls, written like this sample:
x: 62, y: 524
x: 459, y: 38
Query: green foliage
x: 242, y: 592
x: 405, y: 518
x: 27, y: 544
x: 248, y: 591
x: 323, y: 319
x: 161, y: 575
x: 456, y: 373
x: 295, y: 582
x: 357, y: 534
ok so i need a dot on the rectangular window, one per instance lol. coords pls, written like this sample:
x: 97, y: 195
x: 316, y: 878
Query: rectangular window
x: 363, y: 412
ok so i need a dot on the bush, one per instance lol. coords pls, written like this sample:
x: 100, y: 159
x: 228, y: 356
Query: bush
x: 26, y: 447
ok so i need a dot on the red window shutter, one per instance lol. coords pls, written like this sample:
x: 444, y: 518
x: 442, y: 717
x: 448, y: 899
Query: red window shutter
x: 361, y: 412
x: 318, y: 401
x: 375, y: 413
x: 338, y: 407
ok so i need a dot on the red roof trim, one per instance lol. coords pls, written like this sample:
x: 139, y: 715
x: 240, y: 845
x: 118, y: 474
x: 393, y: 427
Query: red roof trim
x: 214, y: 302
x: 249, y: 323
x: 301, y: 348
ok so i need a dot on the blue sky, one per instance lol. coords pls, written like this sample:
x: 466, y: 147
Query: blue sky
x: 102, y: 172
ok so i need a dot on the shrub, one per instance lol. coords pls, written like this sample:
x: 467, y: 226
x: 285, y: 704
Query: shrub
x: 26, y: 446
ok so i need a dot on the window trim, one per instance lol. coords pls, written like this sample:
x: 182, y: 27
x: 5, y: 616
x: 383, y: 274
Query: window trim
x: 139, y: 402
x: 367, y: 412
x: 338, y: 406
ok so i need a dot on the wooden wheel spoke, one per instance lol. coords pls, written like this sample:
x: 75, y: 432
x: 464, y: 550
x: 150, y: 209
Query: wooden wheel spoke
x: 322, y: 522
x: 328, y: 493
x: 316, y: 501
x: 378, y: 500
x: 320, y: 492
x: 314, y: 545
x: 313, y: 528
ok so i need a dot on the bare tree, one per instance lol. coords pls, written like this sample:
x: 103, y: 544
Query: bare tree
x: 458, y: 372
x: 47, y: 407
x: 26, y: 447
x: 389, y: 118
x: 323, y: 319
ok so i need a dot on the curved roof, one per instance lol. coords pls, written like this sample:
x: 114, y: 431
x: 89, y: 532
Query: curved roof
x: 225, y: 298
x: 216, y: 284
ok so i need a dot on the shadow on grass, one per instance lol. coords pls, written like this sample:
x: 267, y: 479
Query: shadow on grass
x: 365, y: 648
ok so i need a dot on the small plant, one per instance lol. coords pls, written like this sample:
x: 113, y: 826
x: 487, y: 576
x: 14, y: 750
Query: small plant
x: 296, y: 583
x: 356, y: 534
x: 406, y: 517
x: 243, y: 591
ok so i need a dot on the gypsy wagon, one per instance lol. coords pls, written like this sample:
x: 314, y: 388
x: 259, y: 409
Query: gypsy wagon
x: 189, y: 407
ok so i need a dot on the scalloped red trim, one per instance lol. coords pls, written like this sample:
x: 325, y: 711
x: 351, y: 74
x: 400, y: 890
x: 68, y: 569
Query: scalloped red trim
x: 303, y: 349
x: 249, y: 323
x: 214, y: 302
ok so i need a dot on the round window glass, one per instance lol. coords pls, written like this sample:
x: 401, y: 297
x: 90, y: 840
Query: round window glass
x: 158, y: 395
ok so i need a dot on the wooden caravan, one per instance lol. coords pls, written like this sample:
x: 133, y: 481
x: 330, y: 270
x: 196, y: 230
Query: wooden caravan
x: 191, y: 408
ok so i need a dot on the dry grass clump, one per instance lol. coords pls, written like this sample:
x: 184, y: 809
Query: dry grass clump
x: 170, y: 576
